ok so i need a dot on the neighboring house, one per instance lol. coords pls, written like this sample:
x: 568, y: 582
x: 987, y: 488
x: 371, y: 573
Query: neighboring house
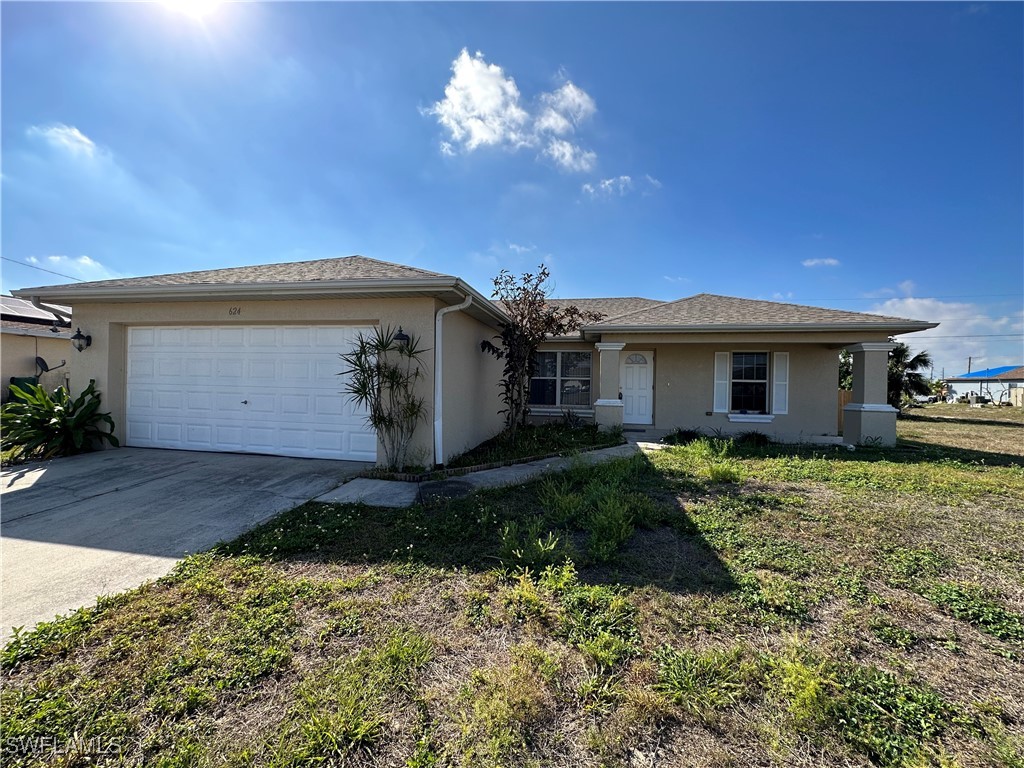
x: 27, y: 333
x: 1000, y: 385
x: 246, y: 359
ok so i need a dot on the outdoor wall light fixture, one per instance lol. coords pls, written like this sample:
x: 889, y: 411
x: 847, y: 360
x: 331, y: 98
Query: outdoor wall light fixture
x: 402, y: 338
x: 80, y: 342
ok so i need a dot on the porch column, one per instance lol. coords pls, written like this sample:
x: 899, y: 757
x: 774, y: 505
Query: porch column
x: 868, y: 419
x: 608, y: 406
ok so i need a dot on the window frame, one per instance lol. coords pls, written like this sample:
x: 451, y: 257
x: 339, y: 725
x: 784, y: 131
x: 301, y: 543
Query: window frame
x: 767, y: 380
x: 558, y: 378
x: 777, y: 390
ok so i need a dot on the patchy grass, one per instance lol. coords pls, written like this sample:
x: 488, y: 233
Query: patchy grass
x: 816, y: 607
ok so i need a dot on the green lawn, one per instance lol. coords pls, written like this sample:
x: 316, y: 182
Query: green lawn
x: 807, y: 607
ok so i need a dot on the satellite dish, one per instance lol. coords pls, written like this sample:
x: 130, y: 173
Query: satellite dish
x: 44, y: 368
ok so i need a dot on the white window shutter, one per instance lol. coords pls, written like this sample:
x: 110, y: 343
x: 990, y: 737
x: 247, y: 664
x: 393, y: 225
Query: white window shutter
x: 721, y: 382
x: 780, y: 384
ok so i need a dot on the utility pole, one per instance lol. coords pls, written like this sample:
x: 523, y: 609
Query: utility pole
x: 968, y: 365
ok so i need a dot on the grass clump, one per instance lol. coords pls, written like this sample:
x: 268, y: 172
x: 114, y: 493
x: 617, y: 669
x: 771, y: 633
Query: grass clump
x: 531, y: 441
x: 681, y: 436
x: 702, y: 683
x: 597, y: 619
x: 499, y: 708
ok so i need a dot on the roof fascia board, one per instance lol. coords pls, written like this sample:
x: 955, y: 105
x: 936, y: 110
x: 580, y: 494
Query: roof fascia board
x: 793, y: 327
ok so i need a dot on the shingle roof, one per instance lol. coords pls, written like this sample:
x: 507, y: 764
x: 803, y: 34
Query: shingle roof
x: 344, y: 268
x: 706, y: 310
x: 609, y: 307
x: 1002, y: 373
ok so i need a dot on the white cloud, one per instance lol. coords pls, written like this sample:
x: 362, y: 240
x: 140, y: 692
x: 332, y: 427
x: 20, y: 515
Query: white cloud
x: 619, y: 185
x: 66, y: 138
x: 569, y: 156
x: 965, y: 330
x: 82, y: 267
x: 516, y: 248
x: 32, y: 260
x: 653, y: 181
x: 677, y: 279
x: 820, y: 262
x: 482, y: 107
x: 779, y: 296
x: 565, y: 109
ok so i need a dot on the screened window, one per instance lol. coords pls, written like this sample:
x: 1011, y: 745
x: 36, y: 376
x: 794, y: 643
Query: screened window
x: 561, y: 380
x: 749, y: 382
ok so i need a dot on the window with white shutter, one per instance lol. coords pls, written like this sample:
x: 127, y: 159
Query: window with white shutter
x: 722, y: 366
x: 780, y: 383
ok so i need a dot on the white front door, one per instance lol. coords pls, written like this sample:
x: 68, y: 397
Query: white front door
x: 636, y: 380
x: 252, y: 389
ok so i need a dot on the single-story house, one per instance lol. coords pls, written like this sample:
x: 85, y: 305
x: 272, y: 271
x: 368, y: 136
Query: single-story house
x: 28, y: 334
x: 246, y: 359
x: 1002, y: 384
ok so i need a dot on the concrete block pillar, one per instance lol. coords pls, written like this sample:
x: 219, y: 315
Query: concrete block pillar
x: 868, y: 419
x: 608, y: 407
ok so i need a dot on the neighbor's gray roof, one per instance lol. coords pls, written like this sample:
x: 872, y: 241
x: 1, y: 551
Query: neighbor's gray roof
x: 707, y: 311
x: 344, y: 268
x: 20, y: 308
x: 33, y: 329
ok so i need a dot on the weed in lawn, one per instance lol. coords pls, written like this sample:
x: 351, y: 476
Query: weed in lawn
x: 702, y: 683
x: 891, y: 721
x: 909, y: 567
x: 610, y: 527
x: 599, y: 620
x: 774, y: 597
x: 528, y: 547
x: 342, y: 708
x: 523, y: 601
x: 978, y: 606
x: 498, y: 710
x: 478, y: 608
x: 893, y: 634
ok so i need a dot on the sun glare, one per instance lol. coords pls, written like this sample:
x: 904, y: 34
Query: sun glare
x: 195, y: 9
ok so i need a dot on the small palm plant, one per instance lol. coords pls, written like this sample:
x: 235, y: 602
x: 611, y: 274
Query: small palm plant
x: 45, y: 425
x: 383, y: 371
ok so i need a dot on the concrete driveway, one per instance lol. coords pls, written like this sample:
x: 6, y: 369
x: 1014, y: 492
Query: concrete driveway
x: 76, y: 528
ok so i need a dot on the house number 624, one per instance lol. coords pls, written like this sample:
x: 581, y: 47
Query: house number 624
x: 234, y: 310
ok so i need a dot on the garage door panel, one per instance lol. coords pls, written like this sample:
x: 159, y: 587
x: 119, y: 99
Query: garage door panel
x: 258, y: 389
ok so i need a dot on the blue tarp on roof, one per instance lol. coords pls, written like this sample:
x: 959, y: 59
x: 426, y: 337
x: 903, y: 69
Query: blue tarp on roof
x: 988, y: 373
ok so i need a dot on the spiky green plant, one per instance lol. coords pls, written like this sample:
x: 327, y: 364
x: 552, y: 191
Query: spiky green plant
x: 382, y: 376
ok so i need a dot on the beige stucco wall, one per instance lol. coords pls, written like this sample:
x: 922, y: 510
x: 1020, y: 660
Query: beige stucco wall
x: 18, y: 358
x: 684, y: 378
x: 471, y: 396
x: 684, y: 382
x: 105, y: 361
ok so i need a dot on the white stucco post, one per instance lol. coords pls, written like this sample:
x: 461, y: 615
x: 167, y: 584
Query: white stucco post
x: 608, y: 407
x: 868, y: 419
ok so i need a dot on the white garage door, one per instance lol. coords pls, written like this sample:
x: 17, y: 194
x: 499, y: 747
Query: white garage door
x: 258, y: 389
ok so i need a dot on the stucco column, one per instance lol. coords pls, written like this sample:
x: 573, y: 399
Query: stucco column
x: 608, y: 406
x: 868, y: 419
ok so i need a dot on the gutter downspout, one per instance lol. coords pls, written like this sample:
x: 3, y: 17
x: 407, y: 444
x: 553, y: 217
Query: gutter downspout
x: 52, y: 310
x: 438, y: 378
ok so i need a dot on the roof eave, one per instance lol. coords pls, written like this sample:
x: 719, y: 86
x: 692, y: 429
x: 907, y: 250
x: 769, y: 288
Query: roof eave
x: 427, y: 287
x: 890, y: 328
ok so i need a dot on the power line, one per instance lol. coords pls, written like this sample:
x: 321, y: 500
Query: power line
x: 33, y: 266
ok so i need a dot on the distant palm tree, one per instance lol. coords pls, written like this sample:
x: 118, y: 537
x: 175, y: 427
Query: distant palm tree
x: 905, y: 381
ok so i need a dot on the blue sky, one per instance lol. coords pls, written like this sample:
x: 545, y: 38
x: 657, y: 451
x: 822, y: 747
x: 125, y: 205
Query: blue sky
x: 860, y: 156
